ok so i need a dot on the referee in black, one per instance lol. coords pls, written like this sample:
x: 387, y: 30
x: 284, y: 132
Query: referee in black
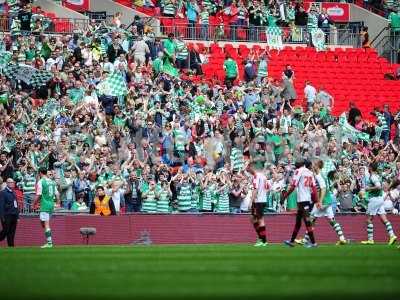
x: 8, y: 212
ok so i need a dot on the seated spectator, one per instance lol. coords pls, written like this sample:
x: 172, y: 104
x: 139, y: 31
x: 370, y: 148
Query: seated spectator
x: 79, y: 205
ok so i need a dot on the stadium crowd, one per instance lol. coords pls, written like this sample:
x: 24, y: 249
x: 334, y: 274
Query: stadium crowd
x: 118, y: 113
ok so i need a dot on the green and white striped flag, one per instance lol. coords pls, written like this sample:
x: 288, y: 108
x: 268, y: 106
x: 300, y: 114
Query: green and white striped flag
x: 114, y: 85
x: 318, y: 39
x: 350, y: 132
x: 274, y: 37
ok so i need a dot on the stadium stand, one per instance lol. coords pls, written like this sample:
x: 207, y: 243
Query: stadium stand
x: 118, y: 105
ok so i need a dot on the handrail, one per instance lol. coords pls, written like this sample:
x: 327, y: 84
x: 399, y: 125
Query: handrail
x: 379, y: 34
x: 257, y: 34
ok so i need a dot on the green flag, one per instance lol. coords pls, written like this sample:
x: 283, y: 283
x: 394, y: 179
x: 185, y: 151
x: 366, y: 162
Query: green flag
x: 350, y: 132
x: 115, y: 85
x: 318, y: 39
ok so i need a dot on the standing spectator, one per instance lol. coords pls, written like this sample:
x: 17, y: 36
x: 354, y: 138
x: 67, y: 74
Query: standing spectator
x: 312, y: 23
x: 169, y: 8
x: 140, y: 49
x: 195, y: 61
x: 134, y: 195
x: 255, y: 20
x: 102, y: 204
x: 389, y: 122
x: 325, y: 98
x: 6, y: 166
x: 365, y: 42
x: 192, y: 11
x: 310, y: 94
x: 28, y: 187
x: 300, y: 16
x: 8, y: 212
x: 116, y: 21
x: 231, y: 71
x: 241, y: 15
x: 25, y: 16
x: 204, y: 21
x: 288, y: 90
x: 394, y: 21
x: 182, y: 53
x: 354, y: 114
x: 249, y: 71
x: 236, y: 195
x: 324, y: 22
x: 262, y: 70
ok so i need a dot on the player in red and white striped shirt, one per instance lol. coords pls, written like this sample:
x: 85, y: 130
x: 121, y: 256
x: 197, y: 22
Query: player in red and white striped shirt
x: 258, y: 203
x: 304, y: 183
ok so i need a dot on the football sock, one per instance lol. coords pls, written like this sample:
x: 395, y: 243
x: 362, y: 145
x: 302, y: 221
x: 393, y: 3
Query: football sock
x: 370, y: 231
x: 389, y: 228
x: 256, y: 228
x: 336, y: 226
x: 48, y: 236
x: 310, y: 232
x: 311, y: 235
x: 262, y: 234
x: 296, y: 229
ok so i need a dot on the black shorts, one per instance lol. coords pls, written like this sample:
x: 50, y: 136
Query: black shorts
x: 304, y: 208
x: 257, y: 210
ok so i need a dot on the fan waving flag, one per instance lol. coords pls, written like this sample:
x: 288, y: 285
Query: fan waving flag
x: 113, y: 85
x: 274, y: 37
x: 318, y: 39
x: 350, y: 132
x: 32, y: 76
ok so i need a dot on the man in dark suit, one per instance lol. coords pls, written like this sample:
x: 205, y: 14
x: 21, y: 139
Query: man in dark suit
x: 8, y: 212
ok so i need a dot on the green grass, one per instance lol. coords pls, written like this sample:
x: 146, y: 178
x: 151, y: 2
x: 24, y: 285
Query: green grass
x: 200, y: 271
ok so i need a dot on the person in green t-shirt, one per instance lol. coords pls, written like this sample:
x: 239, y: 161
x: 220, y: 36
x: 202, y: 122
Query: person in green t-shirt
x: 394, y: 21
x: 376, y: 206
x: 158, y: 65
x: 231, y: 71
x: 79, y: 205
x: 46, y: 194
x: 324, y: 207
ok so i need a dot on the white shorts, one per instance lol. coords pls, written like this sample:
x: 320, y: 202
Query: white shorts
x: 376, y: 207
x: 324, y: 211
x: 44, y: 216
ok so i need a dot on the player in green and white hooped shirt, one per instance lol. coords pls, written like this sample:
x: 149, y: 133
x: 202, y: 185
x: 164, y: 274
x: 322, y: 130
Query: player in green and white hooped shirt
x: 324, y: 208
x: 46, y: 193
x: 376, y: 207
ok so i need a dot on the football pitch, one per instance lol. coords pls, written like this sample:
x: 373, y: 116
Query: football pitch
x: 201, y: 272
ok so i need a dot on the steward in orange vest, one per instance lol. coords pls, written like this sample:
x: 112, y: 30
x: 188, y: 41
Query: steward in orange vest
x: 102, y: 205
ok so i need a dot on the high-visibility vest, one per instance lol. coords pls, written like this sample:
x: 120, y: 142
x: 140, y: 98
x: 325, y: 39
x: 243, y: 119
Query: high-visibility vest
x: 102, y: 207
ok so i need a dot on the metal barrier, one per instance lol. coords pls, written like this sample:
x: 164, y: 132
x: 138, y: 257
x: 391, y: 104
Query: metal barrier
x: 389, y: 46
x: 53, y: 25
x: 295, y: 35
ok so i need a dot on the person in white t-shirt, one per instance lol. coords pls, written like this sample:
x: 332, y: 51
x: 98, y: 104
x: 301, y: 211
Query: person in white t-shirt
x: 258, y: 203
x: 310, y: 93
x: 304, y: 183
